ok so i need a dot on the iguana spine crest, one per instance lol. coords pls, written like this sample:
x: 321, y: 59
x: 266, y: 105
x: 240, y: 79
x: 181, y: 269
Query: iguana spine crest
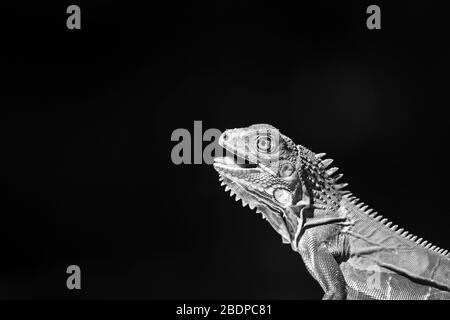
x: 331, y: 173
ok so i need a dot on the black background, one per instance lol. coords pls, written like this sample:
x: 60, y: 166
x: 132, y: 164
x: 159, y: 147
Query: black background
x: 87, y: 116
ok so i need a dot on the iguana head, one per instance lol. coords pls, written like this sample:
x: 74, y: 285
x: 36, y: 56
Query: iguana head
x: 261, y: 171
x: 267, y: 171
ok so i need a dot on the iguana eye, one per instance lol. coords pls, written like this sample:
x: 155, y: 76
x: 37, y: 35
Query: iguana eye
x: 265, y: 144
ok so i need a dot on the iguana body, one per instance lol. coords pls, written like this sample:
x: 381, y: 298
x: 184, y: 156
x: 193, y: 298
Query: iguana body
x: 352, y: 252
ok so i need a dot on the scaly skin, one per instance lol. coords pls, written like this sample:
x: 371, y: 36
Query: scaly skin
x: 352, y: 252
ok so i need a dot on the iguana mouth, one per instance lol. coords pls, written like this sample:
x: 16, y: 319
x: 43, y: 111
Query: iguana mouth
x: 234, y: 163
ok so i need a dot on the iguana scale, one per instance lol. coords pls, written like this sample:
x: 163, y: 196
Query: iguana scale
x: 352, y: 252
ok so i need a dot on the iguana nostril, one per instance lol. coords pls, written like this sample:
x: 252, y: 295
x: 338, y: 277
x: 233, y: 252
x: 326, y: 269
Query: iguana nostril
x: 225, y: 137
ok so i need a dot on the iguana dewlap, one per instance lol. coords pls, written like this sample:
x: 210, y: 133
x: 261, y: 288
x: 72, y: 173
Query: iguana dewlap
x: 351, y: 251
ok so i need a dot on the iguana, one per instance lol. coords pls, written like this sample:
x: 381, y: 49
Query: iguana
x: 350, y: 250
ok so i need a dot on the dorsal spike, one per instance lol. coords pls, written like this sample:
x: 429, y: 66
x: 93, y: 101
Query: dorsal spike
x: 384, y: 220
x: 327, y: 162
x: 379, y: 218
x: 399, y: 231
x: 388, y: 224
x: 394, y: 228
x: 414, y: 238
x: 338, y: 176
x: 405, y: 233
x: 320, y: 155
x: 341, y: 186
x: 332, y: 170
x: 360, y: 205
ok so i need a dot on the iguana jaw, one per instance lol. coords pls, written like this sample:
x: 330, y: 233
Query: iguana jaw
x: 254, y: 196
x: 270, y: 213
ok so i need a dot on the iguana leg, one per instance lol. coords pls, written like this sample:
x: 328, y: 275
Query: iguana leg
x: 322, y: 266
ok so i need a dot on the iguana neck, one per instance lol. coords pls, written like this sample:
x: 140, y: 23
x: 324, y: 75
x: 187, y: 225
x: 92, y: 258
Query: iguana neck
x: 320, y: 181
